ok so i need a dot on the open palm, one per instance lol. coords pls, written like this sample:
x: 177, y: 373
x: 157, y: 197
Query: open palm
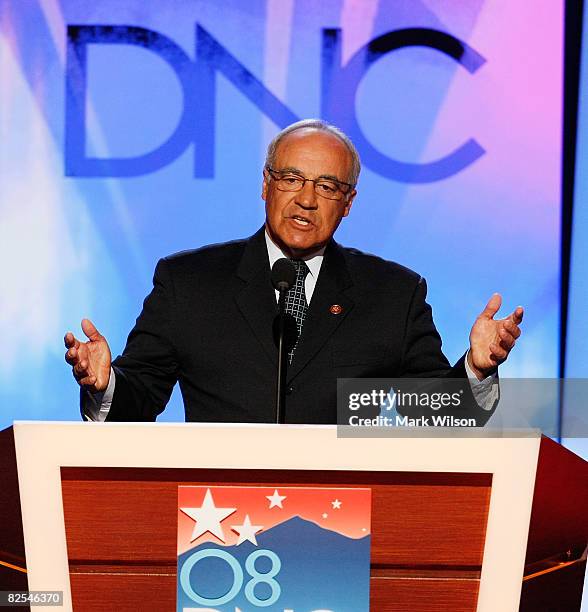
x: 492, y: 340
x: 90, y: 360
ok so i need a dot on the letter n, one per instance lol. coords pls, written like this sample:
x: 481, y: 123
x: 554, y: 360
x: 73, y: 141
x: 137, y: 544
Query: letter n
x: 212, y: 57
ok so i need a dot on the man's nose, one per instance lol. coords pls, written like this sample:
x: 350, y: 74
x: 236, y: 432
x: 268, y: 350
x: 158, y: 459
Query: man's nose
x: 307, y: 196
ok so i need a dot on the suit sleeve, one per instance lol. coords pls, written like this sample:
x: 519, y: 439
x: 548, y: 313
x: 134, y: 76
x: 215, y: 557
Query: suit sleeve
x: 147, y: 370
x: 422, y: 356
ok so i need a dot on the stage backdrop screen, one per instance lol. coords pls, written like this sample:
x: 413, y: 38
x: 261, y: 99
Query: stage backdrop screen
x: 130, y: 130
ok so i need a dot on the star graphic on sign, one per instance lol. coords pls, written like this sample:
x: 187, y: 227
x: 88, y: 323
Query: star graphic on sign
x: 208, y: 518
x: 247, y: 531
x: 276, y: 499
x: 336, y: 504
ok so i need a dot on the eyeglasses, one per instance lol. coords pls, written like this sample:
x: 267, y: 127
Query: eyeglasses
x: 324, y: 187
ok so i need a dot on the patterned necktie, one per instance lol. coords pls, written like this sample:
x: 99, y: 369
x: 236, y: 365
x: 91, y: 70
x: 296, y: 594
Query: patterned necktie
x: 296, y: 304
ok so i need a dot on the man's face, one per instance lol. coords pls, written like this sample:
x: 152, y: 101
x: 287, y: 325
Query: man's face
x: 301, y: 222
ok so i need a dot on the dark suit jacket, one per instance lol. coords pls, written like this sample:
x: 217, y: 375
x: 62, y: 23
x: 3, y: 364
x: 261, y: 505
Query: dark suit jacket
x: 208, y: 324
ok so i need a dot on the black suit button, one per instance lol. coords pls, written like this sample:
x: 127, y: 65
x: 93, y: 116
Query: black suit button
x: 289, y: 390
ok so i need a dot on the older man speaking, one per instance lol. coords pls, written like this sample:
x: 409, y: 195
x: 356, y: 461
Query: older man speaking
x: 208, y: 322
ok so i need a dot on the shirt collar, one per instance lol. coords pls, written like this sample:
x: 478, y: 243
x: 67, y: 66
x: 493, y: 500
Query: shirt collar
x: 313, y: 261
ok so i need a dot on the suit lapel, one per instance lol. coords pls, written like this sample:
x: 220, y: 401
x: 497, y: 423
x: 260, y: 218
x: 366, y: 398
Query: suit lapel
x: 321, y: 322
x: 256, y: 300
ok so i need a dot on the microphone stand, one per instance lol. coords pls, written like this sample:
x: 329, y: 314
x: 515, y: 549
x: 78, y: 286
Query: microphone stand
x: 283, y: 277
x: 282, y: 356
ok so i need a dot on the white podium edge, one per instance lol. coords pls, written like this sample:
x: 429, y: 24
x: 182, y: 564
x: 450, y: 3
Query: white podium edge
x: 42, y: 448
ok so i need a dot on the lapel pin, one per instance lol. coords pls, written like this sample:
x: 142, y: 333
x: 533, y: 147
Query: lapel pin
x: 336, y: 309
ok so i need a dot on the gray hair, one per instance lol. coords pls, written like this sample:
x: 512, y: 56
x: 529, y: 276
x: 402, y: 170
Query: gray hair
x: 323, y: 126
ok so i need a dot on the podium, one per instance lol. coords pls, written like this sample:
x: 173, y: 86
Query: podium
x: 459, y: 524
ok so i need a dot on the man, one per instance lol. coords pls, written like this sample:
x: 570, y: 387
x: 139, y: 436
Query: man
x: 208, y: 321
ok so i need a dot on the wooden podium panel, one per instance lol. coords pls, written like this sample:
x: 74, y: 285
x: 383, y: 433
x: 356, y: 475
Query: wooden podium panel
x: 428, y: 530
x: 450, y: 516
x: 12, y: 552
x: 555, y: 561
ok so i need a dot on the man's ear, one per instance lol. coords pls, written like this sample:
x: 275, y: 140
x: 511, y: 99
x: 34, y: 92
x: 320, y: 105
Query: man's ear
x: 264, y: 185
x: 349, y: 202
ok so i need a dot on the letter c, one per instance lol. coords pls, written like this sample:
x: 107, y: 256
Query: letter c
x: 339, y: 86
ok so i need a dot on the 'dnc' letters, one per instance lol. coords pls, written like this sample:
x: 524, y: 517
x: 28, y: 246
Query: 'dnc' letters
x: 198, y: 84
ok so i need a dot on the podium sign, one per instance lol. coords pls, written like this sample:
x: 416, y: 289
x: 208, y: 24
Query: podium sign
x: 287, y: 548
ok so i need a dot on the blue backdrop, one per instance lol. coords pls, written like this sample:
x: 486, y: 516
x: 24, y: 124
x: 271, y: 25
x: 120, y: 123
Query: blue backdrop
x: 130, y: 130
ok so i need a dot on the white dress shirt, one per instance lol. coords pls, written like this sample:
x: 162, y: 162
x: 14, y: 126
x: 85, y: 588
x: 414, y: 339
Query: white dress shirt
x: 314, y: 263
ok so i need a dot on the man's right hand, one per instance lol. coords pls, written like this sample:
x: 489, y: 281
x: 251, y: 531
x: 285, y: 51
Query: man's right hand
x: 90, y: 360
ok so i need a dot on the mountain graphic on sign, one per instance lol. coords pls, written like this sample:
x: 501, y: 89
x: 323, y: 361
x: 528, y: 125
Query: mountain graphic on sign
x: 320, y: 559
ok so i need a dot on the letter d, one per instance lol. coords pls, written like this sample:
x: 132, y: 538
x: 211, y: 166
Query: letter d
x: 76, y: 161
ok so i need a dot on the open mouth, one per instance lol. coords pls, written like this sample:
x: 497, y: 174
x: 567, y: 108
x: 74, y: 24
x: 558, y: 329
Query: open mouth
x: 300, y: 221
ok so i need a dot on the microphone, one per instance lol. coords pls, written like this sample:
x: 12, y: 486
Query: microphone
x: 283, y: 274
x: 283, y: 277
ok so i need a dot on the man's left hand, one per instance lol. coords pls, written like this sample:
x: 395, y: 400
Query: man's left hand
x: 491, y: 341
